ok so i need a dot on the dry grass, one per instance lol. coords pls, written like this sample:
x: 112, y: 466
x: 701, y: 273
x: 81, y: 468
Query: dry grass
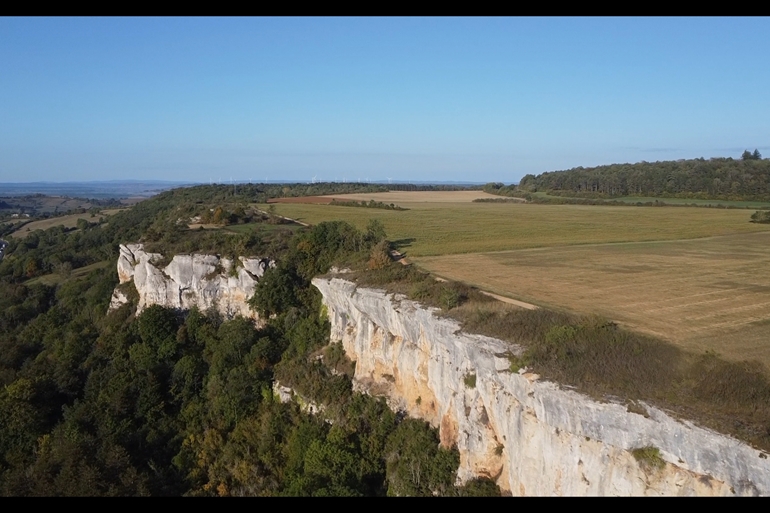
x: 69, y: 221
x: 707, y: 294
x: 414, y: 196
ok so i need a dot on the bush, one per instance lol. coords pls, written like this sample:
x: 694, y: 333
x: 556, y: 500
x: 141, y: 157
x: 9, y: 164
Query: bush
x: 761, y: 217
x: 479, y: 487
x: 379, y: 257
x: 649, y: 458
x: 449, y: 298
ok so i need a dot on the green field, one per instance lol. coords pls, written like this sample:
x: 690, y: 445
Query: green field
x: 671, y: 201
x: 698, y: 202
x: 429, y: 229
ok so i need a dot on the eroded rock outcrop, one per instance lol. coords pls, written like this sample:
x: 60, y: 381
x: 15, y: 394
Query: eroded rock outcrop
x: 202, y: 281
x: 533, y: 437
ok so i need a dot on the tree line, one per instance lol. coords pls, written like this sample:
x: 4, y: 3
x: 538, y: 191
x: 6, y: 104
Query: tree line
x: 716, y: 178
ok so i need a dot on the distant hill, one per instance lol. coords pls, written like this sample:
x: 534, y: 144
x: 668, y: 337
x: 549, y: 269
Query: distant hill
x: 98, y: 189
x: 716, y: 178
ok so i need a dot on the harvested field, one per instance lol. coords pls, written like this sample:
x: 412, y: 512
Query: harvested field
x: 310, y: 200
x: 414, y: 196
x: 707, y: 294
x: 69, y: 221
x: 397, y: 197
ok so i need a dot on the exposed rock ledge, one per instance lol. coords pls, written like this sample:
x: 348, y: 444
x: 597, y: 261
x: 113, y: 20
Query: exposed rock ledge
x: 531, y: 436
x: 203, y: 281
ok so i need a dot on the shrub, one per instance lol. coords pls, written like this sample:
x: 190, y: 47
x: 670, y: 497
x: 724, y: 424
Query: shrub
x: 449, y: 298
x: 470, y: 380
x: 648, y: 458
x: 479, y: 487
x: 379, y: 257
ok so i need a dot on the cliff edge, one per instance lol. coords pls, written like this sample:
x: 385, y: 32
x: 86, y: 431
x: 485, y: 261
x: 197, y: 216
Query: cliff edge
x: 202, y: 281
x: 531, y: 436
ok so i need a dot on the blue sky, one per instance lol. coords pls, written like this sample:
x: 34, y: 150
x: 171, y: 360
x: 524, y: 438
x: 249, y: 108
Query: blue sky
x: 474, y: 99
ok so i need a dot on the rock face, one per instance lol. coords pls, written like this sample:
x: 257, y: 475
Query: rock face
x: 532, y: 437
x: 203, y: 281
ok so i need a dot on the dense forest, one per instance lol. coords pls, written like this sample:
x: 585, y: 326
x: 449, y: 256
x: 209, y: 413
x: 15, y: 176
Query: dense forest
x: 716, y: 178
x: 182, y: 403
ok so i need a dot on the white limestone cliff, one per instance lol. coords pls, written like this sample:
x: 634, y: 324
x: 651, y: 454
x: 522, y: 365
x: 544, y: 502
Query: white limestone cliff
x: 532, y: 437
x: 202, y: 281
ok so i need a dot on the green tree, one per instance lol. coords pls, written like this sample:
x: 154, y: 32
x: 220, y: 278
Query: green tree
x: 416, y: 465
x: 276, y: 291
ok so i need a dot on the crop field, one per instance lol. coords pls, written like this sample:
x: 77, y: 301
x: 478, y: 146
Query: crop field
x: 694, y: 276
x: 415, y: 196
x: 69, y: 221
x: 707, y: 294
x: 442, y: 228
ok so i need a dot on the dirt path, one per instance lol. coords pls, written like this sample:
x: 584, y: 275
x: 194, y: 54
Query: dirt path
x: 282, y: 217
x: 504, y: 299
x: 510, y: 301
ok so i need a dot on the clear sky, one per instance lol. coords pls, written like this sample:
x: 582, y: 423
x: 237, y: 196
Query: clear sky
x: 473, y: 99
